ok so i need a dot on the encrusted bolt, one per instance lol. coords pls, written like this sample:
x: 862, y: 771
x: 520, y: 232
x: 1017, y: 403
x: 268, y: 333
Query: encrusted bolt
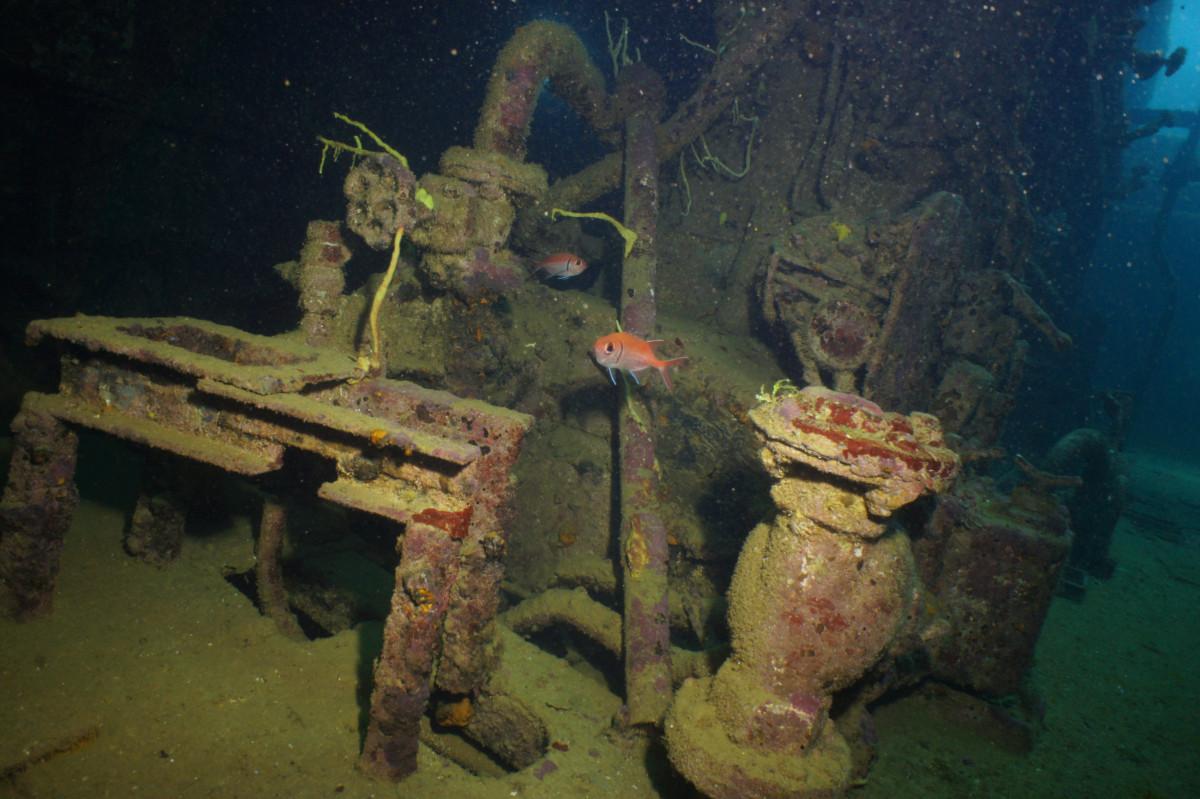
x: 494, y: 546
x: 418, y: 587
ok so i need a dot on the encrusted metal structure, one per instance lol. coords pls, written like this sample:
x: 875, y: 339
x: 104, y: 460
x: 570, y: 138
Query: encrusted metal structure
x: 820, y: 594
x: 434, y: 463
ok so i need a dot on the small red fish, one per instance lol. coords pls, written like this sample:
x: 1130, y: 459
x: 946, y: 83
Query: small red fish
x: 561, y: 265
x: 632, y: 354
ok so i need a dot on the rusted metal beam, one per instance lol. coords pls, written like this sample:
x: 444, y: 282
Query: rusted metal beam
x: 643, y: 535
x: 36, y: 511
x: 425, y: 577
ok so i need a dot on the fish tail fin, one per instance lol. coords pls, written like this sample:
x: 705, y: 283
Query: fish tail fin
x: 664, y: 368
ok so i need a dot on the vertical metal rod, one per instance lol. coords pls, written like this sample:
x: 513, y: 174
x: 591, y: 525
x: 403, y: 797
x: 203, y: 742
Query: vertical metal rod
x: 268, y: 573
x: 643, y: 534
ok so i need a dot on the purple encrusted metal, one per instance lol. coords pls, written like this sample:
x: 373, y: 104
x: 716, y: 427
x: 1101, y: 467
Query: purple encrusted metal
x: 434, y: 463
x: 36, y: 511
x: 643, y: 534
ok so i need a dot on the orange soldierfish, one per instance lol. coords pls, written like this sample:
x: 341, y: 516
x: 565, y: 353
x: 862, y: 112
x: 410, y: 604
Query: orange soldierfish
x: 561, y: 265
x: 631, y: 354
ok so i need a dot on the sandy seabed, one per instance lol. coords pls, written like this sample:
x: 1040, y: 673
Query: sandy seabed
x: 169, y: 683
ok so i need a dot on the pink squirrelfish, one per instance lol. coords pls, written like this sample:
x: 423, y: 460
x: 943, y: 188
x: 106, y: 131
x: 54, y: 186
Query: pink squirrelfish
x: 632, y: 354
x: 561, y: 265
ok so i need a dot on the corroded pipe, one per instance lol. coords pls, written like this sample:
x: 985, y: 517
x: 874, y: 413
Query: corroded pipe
x: 643, y: 534
x: 538, y: 52
x: 755, y: 42
x: 268, y: 569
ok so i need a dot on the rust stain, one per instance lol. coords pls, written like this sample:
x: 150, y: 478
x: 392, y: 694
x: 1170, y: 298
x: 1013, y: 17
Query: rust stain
x: 455, y: 523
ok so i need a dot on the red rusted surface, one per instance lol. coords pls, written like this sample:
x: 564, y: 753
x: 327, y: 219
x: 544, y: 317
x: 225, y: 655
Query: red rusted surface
x: 454, y: 523
x: 846, y: 435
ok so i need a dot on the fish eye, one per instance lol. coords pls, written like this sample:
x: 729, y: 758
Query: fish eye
x: 608, y: 347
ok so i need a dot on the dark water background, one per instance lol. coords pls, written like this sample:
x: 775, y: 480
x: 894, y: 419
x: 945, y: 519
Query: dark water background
x: 191, y: 167
x: 212, y: 179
